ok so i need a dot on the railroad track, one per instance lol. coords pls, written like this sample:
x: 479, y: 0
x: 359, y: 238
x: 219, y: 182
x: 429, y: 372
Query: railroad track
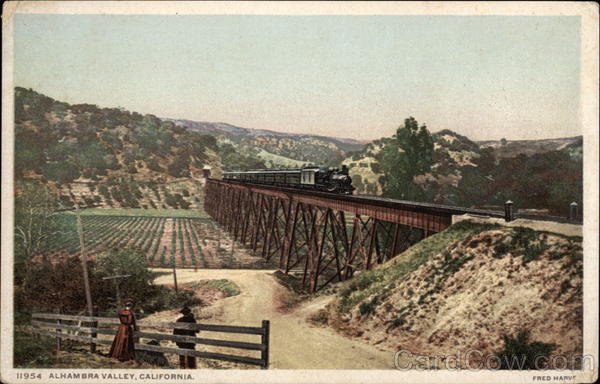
x: 416, y: 206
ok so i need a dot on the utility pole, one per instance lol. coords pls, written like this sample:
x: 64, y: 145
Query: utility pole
x: 86, y: 280
x: 174, y: 275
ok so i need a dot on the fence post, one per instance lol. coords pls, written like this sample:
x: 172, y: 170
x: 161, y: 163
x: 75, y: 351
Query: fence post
x: 58, y: 340
x: 573, y: 211
x: 264, y: 355
x: 509, y: 214
x: 35, y: 329
x: 94, y: 324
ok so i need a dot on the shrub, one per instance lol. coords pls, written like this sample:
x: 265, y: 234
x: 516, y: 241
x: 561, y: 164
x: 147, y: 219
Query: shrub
x: 160, y: 298
x: 228, y: 287
x: 368, y: 307
x: 400, y: 320
x: 519, y: 353
x: 30, y: 352
x: 62, y: 172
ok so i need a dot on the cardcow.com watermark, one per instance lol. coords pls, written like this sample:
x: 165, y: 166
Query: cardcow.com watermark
x: 477, y: 360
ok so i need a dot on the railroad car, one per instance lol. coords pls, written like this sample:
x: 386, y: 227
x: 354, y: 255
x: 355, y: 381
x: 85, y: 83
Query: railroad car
x: 320, y: 178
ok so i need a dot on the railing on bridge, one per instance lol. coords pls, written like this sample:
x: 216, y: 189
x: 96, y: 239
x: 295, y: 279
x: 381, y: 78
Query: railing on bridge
x: 71, y: 325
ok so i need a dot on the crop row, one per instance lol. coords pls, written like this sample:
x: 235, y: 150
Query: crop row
x: 164, y: 241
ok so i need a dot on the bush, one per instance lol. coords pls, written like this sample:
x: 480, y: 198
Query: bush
x: 116, y: 194
x: 89, y: 201
x: 161, y: 298
x: 62, y: 172
x: 30, y: 352
x: 519, y: 354
x: 368, y: 307
x: 153, y: 165
x: 228, y: 287
x: 126, y: 261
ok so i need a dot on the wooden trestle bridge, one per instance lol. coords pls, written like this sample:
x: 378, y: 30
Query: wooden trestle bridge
x: 323, y: 237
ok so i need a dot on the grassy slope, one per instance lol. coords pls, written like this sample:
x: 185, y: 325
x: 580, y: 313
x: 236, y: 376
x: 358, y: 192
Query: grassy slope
x: 279, y: 161
x: 468, y: 287
x: 380, y: 279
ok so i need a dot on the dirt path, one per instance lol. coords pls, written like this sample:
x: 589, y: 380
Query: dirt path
x: 295, y: 344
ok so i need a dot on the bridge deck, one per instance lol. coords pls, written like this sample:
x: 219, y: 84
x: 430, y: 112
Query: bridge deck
x: 427, y: 216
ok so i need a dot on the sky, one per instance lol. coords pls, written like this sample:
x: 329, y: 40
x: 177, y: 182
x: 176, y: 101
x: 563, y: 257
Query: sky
x: 485, y: 77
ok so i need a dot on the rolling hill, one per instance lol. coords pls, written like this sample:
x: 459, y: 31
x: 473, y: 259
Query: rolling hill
x: 78, y: 147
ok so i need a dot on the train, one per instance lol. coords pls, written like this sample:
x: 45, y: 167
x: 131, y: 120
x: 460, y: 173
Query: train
x: 314, y: 177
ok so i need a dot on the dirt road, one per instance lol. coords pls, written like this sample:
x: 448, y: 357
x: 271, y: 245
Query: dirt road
x: 295, y: 344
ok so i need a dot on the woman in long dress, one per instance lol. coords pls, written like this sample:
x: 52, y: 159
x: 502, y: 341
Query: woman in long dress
x: 122, y: 345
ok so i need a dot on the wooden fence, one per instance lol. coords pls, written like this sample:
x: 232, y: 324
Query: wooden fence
x: 73, y: 332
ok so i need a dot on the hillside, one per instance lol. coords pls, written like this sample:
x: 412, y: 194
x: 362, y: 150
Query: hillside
x: 546, y: 176
x: 512, y: 148
x: 85, y: 152
x: 276, y: 149
x: 451, y: 152
x: 225, y: 129
x: 467, y: 288
x: 96, y: 156
x: 77, y: 148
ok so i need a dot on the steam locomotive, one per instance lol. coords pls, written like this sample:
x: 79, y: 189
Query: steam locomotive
x: 319, y: 178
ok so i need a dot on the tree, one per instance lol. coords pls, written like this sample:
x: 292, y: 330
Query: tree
x: 28, y: 151
x: 408, y: 154
x: 179, y: 167
x: 357, y: 183
x: 62, y: 172
x: 35, y: 207
x: 126, y: 261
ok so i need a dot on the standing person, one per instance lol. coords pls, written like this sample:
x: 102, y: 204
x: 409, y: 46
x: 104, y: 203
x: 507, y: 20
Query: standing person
x: 186, y: 362
x: 122, y: 345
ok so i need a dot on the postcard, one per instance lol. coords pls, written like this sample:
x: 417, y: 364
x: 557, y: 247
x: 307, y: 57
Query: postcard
x: 299, y: 192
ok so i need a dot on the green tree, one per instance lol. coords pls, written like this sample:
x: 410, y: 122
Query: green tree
x: 179, y: 167
x: 35, y: 208
x: 126, y: 261
x: 62, y: 172
x: 357, y: 183
x: 408, y: 154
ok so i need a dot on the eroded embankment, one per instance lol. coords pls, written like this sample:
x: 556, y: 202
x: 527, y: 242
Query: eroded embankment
x: 466, y: 288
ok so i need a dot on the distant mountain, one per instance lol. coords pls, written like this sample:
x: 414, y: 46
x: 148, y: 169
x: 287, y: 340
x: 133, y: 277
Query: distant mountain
x: 208, y: 128
x: 275, y: 149
x: 512, y: 148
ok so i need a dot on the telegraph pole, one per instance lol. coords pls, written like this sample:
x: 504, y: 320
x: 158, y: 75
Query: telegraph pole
x: 86, y: 280
x: 174, y: 275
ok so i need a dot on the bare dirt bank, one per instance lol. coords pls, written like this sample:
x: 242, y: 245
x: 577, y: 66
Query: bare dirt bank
x: 468, y: 288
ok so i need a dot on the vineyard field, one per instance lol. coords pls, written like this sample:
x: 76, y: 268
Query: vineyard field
x: 187, y: 242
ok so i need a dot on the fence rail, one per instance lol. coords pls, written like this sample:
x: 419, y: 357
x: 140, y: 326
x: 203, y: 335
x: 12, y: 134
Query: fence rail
x: 59, y: 326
